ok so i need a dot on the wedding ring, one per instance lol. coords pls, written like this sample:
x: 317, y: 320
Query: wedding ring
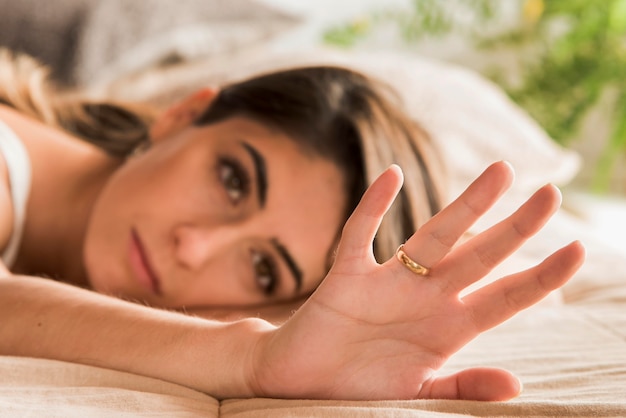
x: 409, y: 263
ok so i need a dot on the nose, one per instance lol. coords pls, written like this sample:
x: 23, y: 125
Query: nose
x: 195, y: 244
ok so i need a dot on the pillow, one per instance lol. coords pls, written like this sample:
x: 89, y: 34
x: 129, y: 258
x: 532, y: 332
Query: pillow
x: 94, y: 41
x: 474, y: 122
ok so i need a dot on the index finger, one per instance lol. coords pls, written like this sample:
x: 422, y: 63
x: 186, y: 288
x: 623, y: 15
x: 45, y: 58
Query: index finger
x: 361, y: 227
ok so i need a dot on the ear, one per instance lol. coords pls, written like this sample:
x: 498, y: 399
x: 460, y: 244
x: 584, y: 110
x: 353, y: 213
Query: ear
x: 181, y: 114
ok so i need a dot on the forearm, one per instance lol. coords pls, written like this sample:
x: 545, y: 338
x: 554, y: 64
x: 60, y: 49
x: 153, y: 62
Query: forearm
x: 41, y: 318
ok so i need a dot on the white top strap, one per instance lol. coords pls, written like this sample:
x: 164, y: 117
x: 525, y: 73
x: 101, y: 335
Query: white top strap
x: 18, y: 165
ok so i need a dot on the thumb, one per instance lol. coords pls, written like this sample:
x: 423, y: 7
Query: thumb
x: 477, y: 384
x: 360, y: 229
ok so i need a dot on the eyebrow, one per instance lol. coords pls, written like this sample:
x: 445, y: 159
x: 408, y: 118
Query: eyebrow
x: 260, y: 171
x: 291, y: 263
x: 261, y: 180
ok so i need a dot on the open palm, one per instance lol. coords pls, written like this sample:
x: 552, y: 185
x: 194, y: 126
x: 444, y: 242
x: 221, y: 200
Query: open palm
x: 380, y: 331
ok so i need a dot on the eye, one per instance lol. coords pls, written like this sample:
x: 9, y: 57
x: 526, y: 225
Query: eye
x: 264, y: 273
x: 234, y: 178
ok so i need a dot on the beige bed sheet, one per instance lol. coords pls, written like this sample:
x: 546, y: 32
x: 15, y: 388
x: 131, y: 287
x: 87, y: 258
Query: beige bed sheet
x: 571, y: 359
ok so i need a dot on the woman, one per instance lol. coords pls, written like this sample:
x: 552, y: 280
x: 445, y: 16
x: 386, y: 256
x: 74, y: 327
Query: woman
x: 237, y: 198
x: 293, y: 140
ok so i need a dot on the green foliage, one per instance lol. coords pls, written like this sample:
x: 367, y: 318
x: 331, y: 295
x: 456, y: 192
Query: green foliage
x: 571, y: 53
x: 426, y: 18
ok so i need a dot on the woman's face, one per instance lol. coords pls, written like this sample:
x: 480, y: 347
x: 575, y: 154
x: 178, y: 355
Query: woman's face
x: 229, y: 214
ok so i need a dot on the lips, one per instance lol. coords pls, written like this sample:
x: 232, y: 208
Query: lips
x: 141, y: 266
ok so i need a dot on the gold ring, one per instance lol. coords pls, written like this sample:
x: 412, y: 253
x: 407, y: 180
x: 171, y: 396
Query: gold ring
x: 409, y: 263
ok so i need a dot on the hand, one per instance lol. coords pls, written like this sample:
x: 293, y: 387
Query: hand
x: 380, y: 331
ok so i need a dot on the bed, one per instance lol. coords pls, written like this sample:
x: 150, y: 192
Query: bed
x: 569, y: 351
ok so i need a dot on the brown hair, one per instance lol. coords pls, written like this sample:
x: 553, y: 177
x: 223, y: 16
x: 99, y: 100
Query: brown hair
x: 116, y: 128
x: 354, y: 121
x: 333, y: 112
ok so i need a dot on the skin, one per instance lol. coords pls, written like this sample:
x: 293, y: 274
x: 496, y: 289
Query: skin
x: 202, y: 231
x: 369, y: 331
x: 395, y: 329
x: 186, y: 223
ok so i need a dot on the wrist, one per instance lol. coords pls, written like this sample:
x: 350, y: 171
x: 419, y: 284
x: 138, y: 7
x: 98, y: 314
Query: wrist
x: 243, y: 340
x: 261, y: 333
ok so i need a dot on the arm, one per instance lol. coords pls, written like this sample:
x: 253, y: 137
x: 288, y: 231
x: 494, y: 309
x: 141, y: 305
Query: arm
x: 47, y: 319
x: 370, y: 331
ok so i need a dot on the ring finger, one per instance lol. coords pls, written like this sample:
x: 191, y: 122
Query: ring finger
x: 477, y: 257
x: 436, y: 238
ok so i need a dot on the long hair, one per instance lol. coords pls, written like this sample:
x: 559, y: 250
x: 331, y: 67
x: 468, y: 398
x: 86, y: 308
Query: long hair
x: 336, y: 113
x: 116, y: 128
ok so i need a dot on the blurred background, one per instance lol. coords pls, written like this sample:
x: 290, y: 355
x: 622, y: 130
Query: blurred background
x: 563, y: 61
x: 560, y: 61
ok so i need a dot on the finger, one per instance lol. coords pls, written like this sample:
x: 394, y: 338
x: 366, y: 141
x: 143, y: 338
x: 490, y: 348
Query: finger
x: 477, y: 257
x: 476, y: 384
x: 360, y: 229
x: 498, y: 301
x: 437, y: 237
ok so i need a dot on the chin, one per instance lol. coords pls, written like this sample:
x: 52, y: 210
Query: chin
x: 102, y: 282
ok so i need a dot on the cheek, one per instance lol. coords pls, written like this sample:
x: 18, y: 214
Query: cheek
x: 105, y: 247
x: 224, y: 281
x: 102, y: 268
x: 107, y: 237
